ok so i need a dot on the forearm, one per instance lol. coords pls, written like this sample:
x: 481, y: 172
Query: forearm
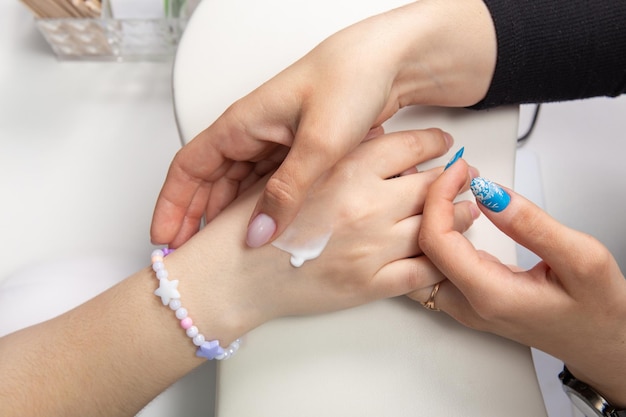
x: 448, y: 53
x: 113, y: 354
x: 108, y: 357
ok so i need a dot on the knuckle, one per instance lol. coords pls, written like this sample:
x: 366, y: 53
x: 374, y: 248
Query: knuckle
x: 463, y: 218
x: 489, y: 313
x: 491, y: 309
x: 496, y: 313
x: 530, y: 223
x: 345, y: 170
x: 593, y: 258
x: 426, y: 143
x: 315, y: 143
x: 414, y: 142
x: 414, y: 277
x: 279, y: 191
x: 425, y: 240
x: 472, y: 321
x: 354, y: 211
x: 435, y: 133
x: 438, y: 136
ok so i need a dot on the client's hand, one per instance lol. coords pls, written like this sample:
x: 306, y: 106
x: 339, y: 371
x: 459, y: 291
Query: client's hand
x: 571, y: 304
x: 372, y: 216
x: 133, y: 345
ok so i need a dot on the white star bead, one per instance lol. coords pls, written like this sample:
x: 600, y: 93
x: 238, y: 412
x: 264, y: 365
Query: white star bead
x: 167, y: 290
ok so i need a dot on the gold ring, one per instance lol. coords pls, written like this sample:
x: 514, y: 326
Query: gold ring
x: 430, y: 303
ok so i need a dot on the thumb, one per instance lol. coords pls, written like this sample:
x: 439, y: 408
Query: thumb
x: 313, y: 152
x: 559, y: 246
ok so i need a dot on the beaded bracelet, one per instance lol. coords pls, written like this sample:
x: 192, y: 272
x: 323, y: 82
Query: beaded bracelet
x: 170, y: 296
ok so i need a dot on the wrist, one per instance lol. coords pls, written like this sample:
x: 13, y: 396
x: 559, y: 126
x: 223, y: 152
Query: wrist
x: 221, y: 279
x: 598, y: 355
x: 450, y: 56
x: 610, y: 385
x: 587, y: 399
x: 207, y: 286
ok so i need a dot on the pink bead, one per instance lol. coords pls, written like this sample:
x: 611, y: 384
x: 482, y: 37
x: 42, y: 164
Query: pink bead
x: 186, y: 323
x: 157, y: 258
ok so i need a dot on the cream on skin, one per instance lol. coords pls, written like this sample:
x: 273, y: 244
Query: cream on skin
x: 307, y: 236
x: 301, y: 249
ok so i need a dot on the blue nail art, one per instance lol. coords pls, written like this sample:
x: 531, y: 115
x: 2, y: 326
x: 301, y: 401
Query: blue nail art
x: 490, y: 194
x: 455, y: 158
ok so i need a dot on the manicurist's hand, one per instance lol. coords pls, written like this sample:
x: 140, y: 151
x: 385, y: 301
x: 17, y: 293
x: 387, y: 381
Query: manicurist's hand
x: 317, y: 110
x: 572, y: 304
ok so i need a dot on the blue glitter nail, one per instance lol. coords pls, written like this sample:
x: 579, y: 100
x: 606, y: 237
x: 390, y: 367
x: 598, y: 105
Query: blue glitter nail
x: 490, y: 194
x: 455, y: 158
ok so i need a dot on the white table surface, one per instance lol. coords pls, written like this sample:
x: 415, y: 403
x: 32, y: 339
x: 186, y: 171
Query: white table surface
x: 84, y: 148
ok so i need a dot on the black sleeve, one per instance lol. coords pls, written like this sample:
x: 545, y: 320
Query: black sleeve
x: 555, y: 50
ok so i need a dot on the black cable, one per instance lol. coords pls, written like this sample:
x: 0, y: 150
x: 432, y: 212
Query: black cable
x: 533, y: 123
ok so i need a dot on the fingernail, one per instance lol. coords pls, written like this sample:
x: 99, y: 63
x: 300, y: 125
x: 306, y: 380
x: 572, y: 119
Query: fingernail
x: 474, y: 211
x: 449, y: 139
x: 490, y: 194
x: 260, y: 230
x: 455, y: 158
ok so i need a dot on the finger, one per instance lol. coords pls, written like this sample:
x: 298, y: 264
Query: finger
x: 412, y: 170
x: 238, y: 135
x: 465, y: 212
x: 225, y: 189
x: 448, y: 249
x: 171, y: 207
x: 403, y: 239
x: 404, y: 276
x: 452, y: 302
x: 262, y: 168
x: 396, y: 152
x: 571, y: 254
x: 194, y: 164
x: 191, y: 221
x: 416, y: 186
x: 374, y: 132
x: 313, y: 152
x: 173, y: 223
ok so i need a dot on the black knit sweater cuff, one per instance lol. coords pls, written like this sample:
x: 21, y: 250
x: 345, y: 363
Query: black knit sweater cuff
x: 557, y: 50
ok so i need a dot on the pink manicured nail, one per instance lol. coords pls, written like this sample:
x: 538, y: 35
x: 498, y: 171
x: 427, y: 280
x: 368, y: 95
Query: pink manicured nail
x: 260, y: 230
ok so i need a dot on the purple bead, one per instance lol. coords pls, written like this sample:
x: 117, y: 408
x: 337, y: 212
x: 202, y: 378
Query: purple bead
x: 209, y: 350
x: 167, y: 251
